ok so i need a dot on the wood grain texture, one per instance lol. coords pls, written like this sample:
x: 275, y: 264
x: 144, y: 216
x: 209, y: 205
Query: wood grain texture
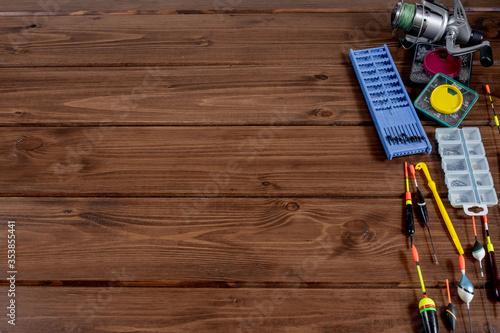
x: 207, y: 40
x: 113, y: 309
x: 218, y: 95
x: 216, y: 171
x: 233, y: 242
x: 211, y: 161
x: 62, y: 7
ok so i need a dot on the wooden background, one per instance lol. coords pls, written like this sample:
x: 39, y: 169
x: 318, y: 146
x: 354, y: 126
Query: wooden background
x: 190, y: 166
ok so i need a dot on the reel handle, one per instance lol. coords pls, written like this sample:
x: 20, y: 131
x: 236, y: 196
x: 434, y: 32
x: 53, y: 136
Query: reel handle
x: 486, y: 56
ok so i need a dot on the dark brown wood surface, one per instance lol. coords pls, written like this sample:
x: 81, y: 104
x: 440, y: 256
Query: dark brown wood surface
x: 322, y: 161
x: 113, y: 308
x: 256, y: 242
x: 191, y: 166
x: 242, y: 95
x: 309, y: 39
x: 65, y: 7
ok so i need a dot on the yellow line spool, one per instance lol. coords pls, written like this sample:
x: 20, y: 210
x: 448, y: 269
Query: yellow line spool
x: 447, y: 99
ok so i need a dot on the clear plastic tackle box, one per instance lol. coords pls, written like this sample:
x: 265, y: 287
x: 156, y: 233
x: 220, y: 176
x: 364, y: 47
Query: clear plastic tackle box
x: 466, y: 168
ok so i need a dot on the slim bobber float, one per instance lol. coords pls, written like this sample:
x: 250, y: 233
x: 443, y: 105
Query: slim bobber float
x: 478, y: 253
x: 493, y: 261
x: 451, y: 314
x: 410, y: 224
x: 426, y: 306
x: 493, y: 107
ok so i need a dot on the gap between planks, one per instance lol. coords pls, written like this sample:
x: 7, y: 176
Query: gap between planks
x: 223, y: 12
x: 216, y: 284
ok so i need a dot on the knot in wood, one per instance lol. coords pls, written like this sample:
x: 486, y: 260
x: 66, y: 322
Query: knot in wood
x: 29, y: 144
x: 292, y: 206
x: 357, y: 228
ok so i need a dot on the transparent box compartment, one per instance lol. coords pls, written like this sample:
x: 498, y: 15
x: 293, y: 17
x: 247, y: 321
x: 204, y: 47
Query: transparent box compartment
x: 458, y: 180
x: 454, y: 164
x: 483, y: 179
x: 475, y: 149
x: 479, y: 164
x: 460, y: 197
x: 471, y: 134
x: 447, y: 134
x: 488, y: 196
x: 451, y: 149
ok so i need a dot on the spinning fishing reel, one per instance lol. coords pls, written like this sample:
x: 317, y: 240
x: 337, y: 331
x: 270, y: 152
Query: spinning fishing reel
x: 431, y: 22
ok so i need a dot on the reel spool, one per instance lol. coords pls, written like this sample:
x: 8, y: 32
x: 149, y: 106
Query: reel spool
x: 420, y: 22
x: 431, y: 22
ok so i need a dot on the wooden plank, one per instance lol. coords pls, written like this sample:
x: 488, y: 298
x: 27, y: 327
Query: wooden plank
x: 233, y: 242
x: 115, y: 309
x: 59, y: 7
x: 192, y: 39
x: 215, y: 161
x: 124, y: 40
x: 181, y: 96
x: 219, y: 95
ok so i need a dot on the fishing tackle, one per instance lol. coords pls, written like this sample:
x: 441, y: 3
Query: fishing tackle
x: 493, y: 107
x: 423, y: 210
x: 479, y: 254
x: 431, y: 22
x: 451, y: 314
x: 426, y: 306
x: 465, y: 288
x: 442, y: 210
x: 410, y: 224
x: 492, y: 261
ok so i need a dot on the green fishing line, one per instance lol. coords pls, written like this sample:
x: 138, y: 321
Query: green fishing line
x: 407, y: 15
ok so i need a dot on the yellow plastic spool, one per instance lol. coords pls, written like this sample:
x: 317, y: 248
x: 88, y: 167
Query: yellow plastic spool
x: 447, y: 99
